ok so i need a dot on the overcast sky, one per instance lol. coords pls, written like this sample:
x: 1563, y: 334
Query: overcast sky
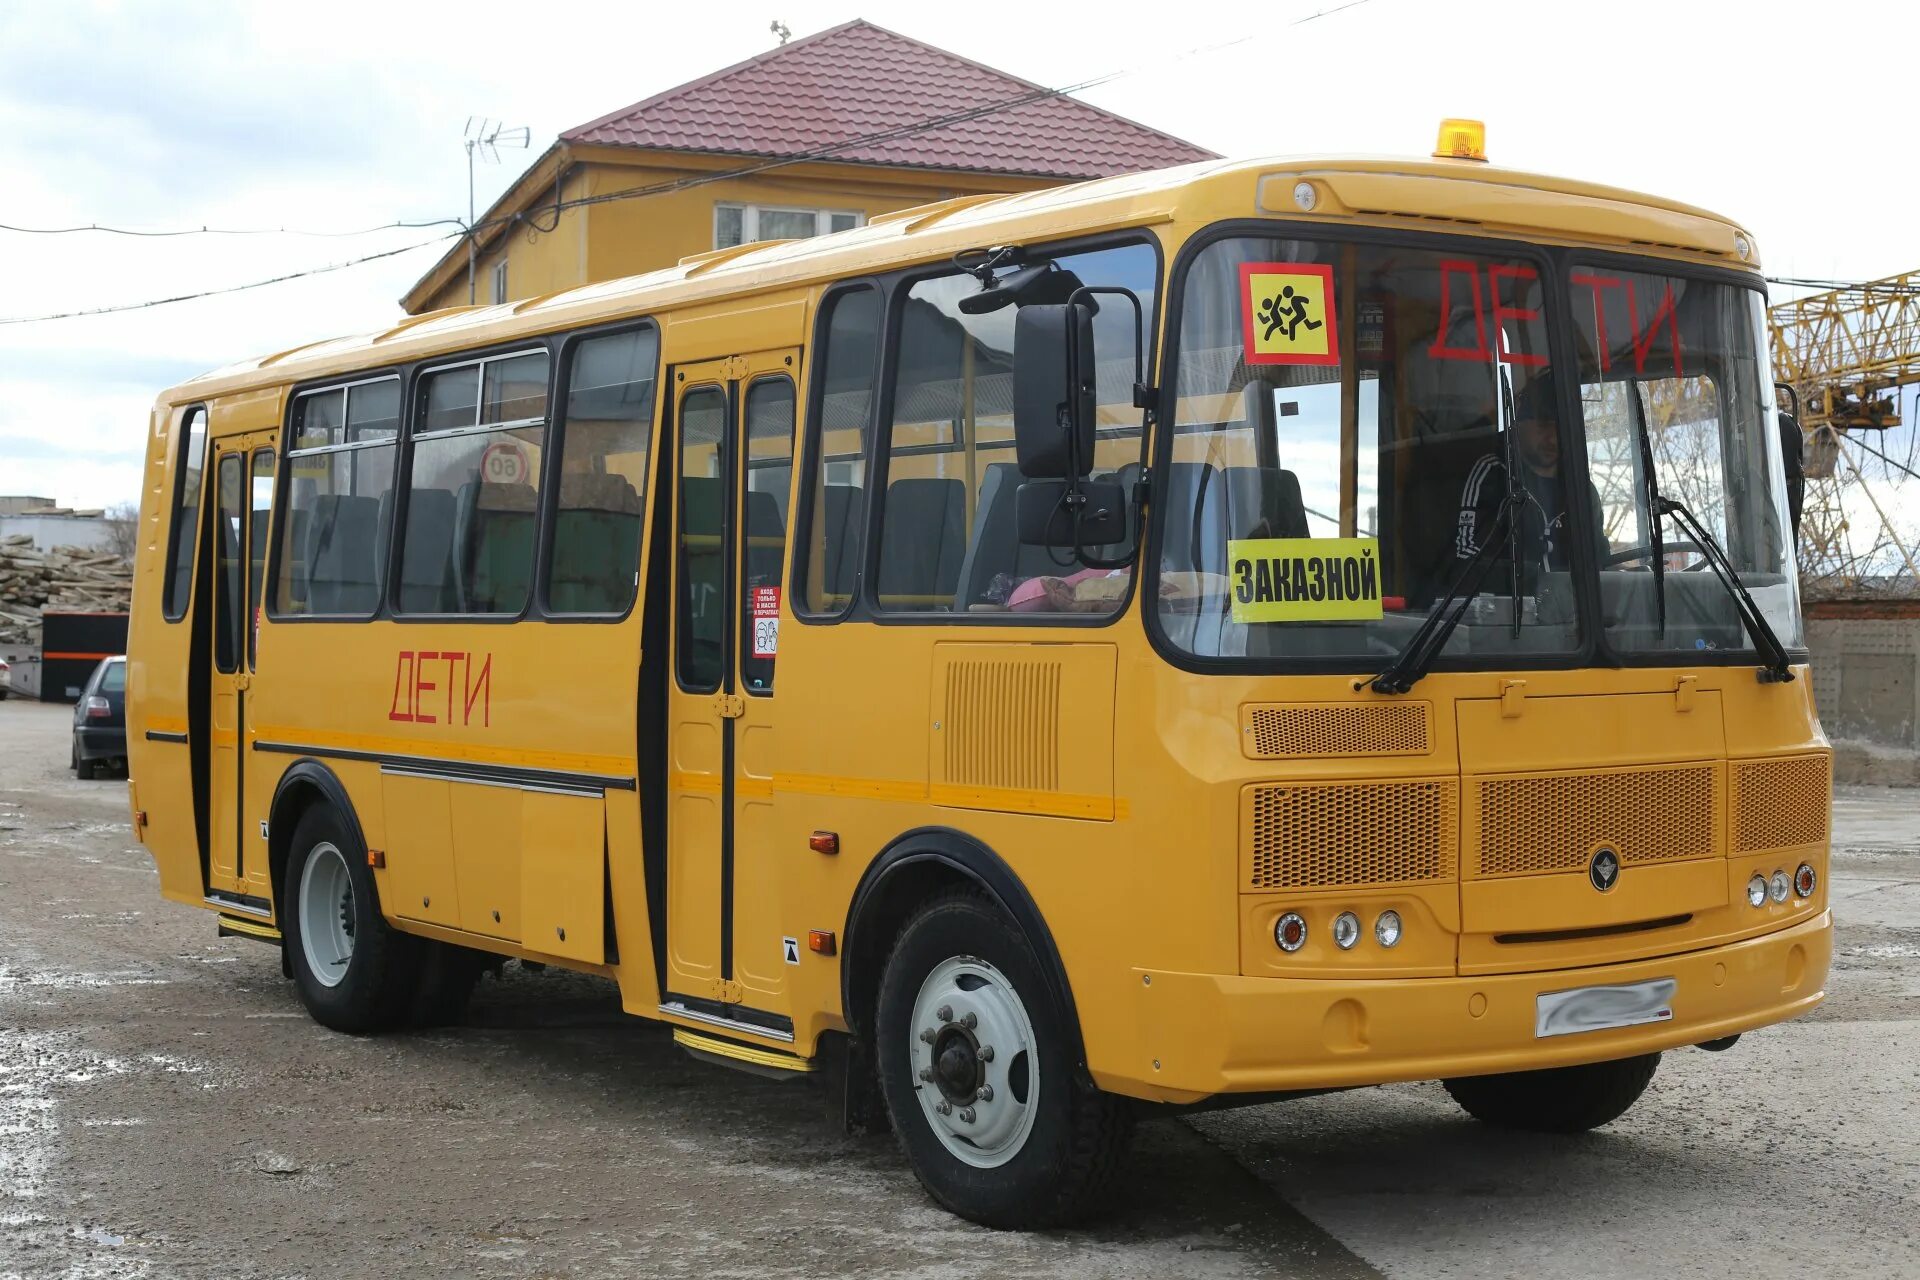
x: 344, y: 115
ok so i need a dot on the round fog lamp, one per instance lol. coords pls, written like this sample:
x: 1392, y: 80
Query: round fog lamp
x: 1779, y: 886
x: 1757, y: 890
x: 1386, y: 930
x: 1290, y: 932
x: 1803, y: 882
x: 1346, y: 930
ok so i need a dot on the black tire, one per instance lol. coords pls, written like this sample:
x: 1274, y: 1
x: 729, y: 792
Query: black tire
x: 376, y: 990
x: 1069, y: 1156
x: 1557, y: 1100
x: 446, y: 981
x: 73, y: 761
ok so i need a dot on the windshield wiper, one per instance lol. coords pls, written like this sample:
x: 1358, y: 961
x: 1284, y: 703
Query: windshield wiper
x: 1656, y: 540
x: 1425, y: 644
x: 1773, y: 654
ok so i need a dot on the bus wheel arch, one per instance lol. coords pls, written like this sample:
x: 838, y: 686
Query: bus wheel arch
x: 307, y: 783
x: 911, y: 871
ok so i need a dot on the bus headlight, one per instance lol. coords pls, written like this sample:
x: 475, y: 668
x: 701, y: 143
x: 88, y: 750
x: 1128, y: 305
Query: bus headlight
x: 1290, y: 932
x: 1386, y: 930
x: 1346, y: 930
x: 1757, y: 890
x: 1780, y: 886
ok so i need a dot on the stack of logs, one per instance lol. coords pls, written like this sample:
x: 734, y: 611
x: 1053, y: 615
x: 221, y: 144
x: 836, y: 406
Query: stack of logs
x: 32, y: 582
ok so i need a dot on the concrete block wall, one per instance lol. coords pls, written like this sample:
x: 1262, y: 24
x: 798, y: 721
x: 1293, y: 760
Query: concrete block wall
x: 1866, y: 682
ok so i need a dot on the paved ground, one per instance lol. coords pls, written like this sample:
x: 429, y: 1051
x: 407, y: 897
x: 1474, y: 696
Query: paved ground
x: 166, y: 1109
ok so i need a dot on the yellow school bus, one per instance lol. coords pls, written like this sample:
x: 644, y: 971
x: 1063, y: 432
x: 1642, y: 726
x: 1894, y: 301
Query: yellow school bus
x: 1200, y: 636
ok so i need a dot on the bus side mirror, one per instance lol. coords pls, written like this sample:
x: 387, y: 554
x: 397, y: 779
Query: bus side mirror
x: 1053, y: 390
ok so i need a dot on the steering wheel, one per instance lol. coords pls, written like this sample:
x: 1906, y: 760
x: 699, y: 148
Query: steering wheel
x: 1645, y: 552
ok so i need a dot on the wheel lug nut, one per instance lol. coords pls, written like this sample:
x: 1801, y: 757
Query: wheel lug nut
x: 926, y: 1073
x: 984, y: 1093
x: 970, y: 1021
x: 929, y: 1035
x: 944, y: 1108
x: 944, y: 1013
x: 986, y: 1053
x: 966, y: 1114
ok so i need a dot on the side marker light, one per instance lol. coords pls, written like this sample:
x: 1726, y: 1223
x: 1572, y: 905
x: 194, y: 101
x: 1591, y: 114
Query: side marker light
x: 820, y: 941
x: 824, y: 842
x: 376, y: 858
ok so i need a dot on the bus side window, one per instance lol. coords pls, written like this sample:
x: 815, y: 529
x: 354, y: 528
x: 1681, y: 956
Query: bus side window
x: 842, y: 426
x: 188, y: 466
x: 473, y: 488
x: 605, y: 439
x: 332, y: 533
x: 769, y: 480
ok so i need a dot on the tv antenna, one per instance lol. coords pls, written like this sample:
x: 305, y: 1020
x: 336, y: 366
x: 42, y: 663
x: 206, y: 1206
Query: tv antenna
x: 484, y: 138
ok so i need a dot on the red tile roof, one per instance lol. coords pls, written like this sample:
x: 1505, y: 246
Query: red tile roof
x: 867, y: 87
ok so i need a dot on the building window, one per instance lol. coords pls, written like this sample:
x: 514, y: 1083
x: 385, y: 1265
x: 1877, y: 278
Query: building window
x: 500, y: 280
x: 745, y: 223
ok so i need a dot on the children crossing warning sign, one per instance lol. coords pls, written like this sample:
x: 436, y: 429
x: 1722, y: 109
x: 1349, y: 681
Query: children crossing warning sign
x: 1286, y: 313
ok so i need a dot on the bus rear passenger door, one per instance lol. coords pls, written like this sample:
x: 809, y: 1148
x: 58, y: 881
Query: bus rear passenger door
x: 725, y: 948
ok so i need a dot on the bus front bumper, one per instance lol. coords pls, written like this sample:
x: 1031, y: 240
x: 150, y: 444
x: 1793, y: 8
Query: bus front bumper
x: 1205, y: 1034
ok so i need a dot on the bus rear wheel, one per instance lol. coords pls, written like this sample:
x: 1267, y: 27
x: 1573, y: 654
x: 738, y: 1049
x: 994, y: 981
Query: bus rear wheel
x: 353, y: 972
x: 979, y: 1078
x: 1559, y: 1099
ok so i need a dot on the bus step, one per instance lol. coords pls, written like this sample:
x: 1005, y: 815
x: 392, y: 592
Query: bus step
x: 234, y: 928
x: 771, y: 1063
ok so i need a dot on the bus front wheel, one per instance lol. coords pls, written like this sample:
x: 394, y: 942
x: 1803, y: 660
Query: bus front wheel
x: 979, y: 1078
x: 353, y: 972
x: 1559, y: 1099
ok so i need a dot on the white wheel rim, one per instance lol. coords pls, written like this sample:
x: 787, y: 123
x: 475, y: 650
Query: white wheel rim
x: 326, y: 914
x: 975, y: 1062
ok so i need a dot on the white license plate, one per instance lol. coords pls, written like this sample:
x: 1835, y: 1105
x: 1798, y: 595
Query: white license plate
x: 1566, y: 1013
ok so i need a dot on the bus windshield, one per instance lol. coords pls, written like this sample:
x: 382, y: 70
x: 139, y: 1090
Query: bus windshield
x: 1677, y: 405
x: 1356, y: 426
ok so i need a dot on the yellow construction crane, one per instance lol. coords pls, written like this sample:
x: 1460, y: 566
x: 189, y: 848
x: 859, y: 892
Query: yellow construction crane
x: 1846, y: 352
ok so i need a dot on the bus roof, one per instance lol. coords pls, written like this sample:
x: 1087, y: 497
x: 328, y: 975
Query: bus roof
x: 1436, y: 195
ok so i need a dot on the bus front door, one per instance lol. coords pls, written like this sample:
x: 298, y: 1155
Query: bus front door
x: 727, y: 953
x: 243, y: 499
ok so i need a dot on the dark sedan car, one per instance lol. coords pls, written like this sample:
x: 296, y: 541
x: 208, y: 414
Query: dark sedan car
x: 100, y: 721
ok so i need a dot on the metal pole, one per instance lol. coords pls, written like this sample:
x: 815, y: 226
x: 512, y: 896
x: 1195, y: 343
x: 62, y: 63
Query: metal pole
x: 472, y: 248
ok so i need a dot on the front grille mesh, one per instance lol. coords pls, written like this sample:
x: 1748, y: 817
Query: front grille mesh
x: 1315, y: 835
x: 1281, y: 730
x: 1780, y: 803
x: 1553, y: 822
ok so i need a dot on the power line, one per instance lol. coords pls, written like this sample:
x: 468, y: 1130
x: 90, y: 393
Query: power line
x: 228, y: 231
x: 236, y: 288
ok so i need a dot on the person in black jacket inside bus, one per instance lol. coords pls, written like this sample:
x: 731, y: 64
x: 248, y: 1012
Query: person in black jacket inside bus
x: 1544, y: 536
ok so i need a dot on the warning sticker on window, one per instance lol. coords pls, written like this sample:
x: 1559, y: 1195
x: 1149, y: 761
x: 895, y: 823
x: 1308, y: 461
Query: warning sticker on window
x: 1305, y: 579
x: 766, y: 621
x: 1286, y: 313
